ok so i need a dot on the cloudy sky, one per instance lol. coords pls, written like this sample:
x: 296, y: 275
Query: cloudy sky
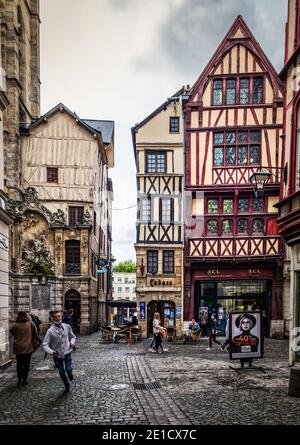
x: 120, y: 59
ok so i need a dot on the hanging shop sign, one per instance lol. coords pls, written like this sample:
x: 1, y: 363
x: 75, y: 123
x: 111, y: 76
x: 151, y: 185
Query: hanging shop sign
x: 246, y: 337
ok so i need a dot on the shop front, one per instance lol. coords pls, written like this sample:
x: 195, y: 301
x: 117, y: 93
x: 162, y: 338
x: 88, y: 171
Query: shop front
x: 166, y: 310
x: 220, y: 290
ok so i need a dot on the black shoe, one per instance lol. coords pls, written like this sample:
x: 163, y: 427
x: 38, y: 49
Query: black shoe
x: 67, y: 390
x: 24, y: 383
x: 19, y: 382
x: 70, y: 376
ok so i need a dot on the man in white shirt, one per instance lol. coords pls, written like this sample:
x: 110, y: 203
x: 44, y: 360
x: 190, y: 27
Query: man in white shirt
x: 59, y: 342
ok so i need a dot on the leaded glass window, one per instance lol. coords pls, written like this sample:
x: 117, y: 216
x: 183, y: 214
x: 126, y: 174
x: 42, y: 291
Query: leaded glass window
x: 152, y: 261
x: 230, y: 155
x: 257, y: 90
x: 227, y: 205
x: 218, y: 92
x: 230, y: 137
x: 258, y: 225
x: 254, y: 154
x: 166, y: 210
x: 243, y: 136
x: 244, y: 91
x: 242, y: 155
x: 212, y: 226
x: 212, y: 206
x: 146, y: 209
x: 255, y: 136
x: 258, y: 205
x: 242, y: 225
x: 218, y: 156
x: 243, y: 205
x: 227, y: 226
x: 230, y: 91
x: 218, y: 138
x: 156, y: 162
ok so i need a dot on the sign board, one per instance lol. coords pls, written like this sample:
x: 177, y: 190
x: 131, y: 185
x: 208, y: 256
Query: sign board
x: 142, y: 310
x: 246, y: 335
x: 40, y: 297
x: 101, y: 270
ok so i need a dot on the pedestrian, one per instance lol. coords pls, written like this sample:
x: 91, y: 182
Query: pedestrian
x: 59, y: 342
x: 212, y: 331
x: 226, y: 345
x: 68, y: 317
x: 134, y: 320
x: 158, y: 332
x: 22, y: 331
x: 36, y: 321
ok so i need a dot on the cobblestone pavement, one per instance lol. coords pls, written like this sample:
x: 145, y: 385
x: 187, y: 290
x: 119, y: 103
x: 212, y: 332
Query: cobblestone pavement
x: 127, y: 385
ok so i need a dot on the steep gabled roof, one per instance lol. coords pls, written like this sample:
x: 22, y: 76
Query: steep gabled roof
x: 238, y: 33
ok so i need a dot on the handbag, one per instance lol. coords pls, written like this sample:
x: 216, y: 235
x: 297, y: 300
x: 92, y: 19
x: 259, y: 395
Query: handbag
x: 35, y: 339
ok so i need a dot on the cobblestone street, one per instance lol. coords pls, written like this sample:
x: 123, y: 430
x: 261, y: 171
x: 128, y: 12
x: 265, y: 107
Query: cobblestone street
x: 126, y: 385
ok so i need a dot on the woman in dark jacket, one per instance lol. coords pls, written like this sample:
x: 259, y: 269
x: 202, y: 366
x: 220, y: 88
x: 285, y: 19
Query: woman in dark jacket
x: 22, y: 332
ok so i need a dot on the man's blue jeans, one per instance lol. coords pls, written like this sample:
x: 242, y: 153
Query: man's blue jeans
x: 64, y: 366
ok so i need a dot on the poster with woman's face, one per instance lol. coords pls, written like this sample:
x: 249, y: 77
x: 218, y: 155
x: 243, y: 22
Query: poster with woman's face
x: 246, y: 339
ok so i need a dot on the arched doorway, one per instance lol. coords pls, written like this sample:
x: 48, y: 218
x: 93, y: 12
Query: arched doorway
x: 166, y: 310
x: 72, y: 301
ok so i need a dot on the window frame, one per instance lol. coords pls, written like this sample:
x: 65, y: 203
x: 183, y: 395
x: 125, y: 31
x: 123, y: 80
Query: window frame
x: 155, y: 153
x: 168, y: 261
x: 249, y: 144
x: 238, y: 78
x: 50, y: 172
x: 77, y: 222
x: 152, y: 261
x: 177, y: 126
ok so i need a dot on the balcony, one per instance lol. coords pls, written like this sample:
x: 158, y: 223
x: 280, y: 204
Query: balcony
x: 72, y: 269
x: 235, y: 247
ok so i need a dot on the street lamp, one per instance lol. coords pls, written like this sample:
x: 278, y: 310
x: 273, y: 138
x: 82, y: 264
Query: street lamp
x: 261, y: 177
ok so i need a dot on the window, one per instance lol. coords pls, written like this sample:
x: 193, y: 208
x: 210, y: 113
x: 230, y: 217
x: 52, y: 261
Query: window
x: 156, y: 162
x: 227, y: 226
x: 230, y: 91
x: 258, y: 226
x: 126, y: 280
x: 234, y: 148
x: 127, y: 289
x: 218, y: 92
x: 238, y: 90
x: 227, y: 206
x: 152, y: 261
x: 212, y: 206
x: 258, y: 205
x: 244, y: 91
x: 174, y: 124
x: 52, y: 174
x: 146, y: 209
x: 72, y: 257
x: 119, y: 279
x: 119, y: 289
x: 242, y: 225
x: 166, y: 210
x: 75, y: 215
x: 212, y: 226
x: 243, y: 205
x: 168, y: 261
x: 258, y: 90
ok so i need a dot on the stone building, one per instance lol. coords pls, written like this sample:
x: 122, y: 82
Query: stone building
x: 124, y: 295
x: 158, y: 149
x: 19, y: 105
x: 62, y: 221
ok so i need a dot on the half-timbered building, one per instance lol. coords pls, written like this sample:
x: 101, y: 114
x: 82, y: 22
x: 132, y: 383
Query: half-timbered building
x: 158, y: 148
x: 233, y: 253
x: 289, y: 205
x: 62, y: 225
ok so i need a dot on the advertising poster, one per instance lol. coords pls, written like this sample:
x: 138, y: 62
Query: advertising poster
x: 246, y: 337
x: 142, y: 310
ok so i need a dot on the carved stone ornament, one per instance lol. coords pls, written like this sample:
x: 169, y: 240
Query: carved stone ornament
x: 31, y: 201
x: 36, y: 258
x: 86, y: 219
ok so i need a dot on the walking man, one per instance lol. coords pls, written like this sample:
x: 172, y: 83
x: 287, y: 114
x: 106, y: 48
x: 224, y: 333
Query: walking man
x: 59, y: 342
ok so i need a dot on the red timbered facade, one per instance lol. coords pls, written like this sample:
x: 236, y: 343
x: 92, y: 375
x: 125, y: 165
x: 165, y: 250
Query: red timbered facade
x: 233, y: 257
